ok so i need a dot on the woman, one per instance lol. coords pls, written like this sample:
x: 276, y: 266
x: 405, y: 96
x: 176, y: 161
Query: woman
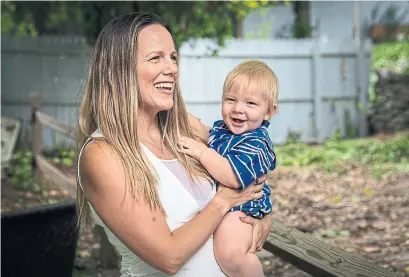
x: 158, y: 206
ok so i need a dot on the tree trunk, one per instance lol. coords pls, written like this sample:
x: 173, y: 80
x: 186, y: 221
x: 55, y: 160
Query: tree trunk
x: 302, y: 25
x: 237, y: 27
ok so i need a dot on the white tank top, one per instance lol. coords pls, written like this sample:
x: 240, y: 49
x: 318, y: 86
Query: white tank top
x: 174, y: 185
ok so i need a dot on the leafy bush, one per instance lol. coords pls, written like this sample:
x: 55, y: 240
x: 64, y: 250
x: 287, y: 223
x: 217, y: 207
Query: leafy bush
x: 392, y: 56
x: 65, y: 157
x: 382, y: 156
x: 19, y: 171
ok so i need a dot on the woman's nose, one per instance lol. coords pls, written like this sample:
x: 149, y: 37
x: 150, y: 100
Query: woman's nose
x: 171, y: 67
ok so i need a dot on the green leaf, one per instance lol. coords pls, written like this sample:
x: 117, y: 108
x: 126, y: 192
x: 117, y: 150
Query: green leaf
x: 336, y: 200
x: 344, y: 233
x: 67, y: 162
x: 368, y: 192
x: 331, y: 233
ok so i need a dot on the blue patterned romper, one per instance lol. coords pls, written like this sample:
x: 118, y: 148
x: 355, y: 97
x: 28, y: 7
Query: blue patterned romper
x: 250, y: 155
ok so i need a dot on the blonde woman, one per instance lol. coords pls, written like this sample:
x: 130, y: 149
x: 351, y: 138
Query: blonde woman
x: 157, y: 205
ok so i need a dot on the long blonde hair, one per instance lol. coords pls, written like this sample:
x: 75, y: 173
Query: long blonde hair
x: 110, y: 104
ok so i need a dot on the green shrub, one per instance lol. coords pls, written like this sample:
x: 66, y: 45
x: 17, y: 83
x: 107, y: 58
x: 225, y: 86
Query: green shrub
x: 19, y: 171
x: 382, y: 156
x: 392, y: 56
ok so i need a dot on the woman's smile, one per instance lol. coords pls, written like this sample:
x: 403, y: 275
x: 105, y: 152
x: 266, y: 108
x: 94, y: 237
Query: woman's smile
x: 164, y: 87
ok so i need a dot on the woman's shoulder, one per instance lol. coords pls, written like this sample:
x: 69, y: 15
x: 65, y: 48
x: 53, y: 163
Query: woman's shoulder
x: 97, y: 150
x: 98, y: 161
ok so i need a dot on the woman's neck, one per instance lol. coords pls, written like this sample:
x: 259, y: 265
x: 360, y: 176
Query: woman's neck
x: 147, y: 124
x: 149, y: 134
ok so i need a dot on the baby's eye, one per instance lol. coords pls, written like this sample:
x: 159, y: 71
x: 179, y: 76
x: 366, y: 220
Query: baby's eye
x: 251, y: 103
x: 229, y: 99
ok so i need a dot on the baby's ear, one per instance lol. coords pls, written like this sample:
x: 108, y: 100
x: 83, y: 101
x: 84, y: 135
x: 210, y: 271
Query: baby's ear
x: 271, y: 112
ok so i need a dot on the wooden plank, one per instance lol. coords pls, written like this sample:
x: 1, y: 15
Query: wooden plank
x: 54, y: 124
x: 56, y: 176
x: 10, y: 128
x: 317, y: 257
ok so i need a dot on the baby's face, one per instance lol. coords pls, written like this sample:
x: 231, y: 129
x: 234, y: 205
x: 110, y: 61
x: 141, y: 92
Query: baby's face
x: 244, y: 108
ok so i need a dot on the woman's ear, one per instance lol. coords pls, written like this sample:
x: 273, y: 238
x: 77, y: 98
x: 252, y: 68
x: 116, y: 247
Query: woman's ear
x: 271, y: 112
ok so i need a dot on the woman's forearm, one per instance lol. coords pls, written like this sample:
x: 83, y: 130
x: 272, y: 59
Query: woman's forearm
x: 191, y: 236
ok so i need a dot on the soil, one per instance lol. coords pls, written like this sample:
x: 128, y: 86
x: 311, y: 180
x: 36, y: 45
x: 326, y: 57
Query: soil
x: 373, y: 215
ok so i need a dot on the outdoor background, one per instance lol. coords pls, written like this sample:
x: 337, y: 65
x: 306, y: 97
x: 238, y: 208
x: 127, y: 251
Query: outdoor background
x: 341, y: 133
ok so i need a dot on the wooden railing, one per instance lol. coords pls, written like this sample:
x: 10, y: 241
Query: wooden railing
x: 303, y: 250
x: 41, y: 166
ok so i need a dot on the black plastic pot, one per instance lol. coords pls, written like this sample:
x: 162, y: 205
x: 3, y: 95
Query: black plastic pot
x: 40, y: 241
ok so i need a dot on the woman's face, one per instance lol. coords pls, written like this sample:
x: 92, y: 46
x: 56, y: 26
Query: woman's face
x: 157, y: 68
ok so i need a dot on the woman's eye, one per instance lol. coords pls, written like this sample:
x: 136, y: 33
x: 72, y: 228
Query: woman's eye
x: 154, y: 58
x: 174, y: 58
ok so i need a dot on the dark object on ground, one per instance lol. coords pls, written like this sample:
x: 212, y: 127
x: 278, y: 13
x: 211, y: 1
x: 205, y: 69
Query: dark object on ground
x: 390, y: 110
x: 39, y: 241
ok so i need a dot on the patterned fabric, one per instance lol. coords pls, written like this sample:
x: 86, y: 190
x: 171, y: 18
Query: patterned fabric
x: 250, y: 155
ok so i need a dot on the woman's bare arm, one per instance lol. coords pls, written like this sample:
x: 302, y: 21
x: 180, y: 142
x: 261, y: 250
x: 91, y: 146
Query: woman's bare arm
x: 143, y: 230
x: 199, y: 127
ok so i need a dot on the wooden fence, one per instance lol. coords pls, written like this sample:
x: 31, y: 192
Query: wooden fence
x: 42, y: 167
x: 308, y: 253
x: 321, y: 82
x: 40, y: 164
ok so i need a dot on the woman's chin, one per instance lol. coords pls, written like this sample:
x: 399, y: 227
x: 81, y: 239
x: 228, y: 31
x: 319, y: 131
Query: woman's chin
x: 165, y: 106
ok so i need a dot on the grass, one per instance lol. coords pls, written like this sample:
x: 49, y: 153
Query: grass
x: 381, y: 156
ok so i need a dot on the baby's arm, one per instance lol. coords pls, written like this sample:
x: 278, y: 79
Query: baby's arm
x: 218, y: 166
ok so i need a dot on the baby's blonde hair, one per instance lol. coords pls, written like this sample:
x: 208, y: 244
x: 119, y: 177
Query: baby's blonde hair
x: 257, y: 73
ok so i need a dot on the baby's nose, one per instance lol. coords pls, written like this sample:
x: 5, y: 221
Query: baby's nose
x: 238, y: 108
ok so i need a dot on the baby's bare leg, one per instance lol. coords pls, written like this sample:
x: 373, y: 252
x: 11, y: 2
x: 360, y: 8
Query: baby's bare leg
x: 232, y: 241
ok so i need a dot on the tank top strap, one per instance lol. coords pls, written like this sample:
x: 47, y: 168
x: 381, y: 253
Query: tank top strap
x: 96, y: 134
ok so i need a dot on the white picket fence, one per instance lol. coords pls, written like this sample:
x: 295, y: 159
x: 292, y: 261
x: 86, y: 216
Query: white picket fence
x: 322, y: 83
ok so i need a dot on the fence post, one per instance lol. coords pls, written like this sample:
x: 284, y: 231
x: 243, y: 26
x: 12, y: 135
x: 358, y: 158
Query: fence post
x: 362, y: 78
x: 316, y: 92
x: 36, y: 135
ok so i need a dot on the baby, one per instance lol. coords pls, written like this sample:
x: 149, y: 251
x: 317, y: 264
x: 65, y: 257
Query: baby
x: 239, y: 151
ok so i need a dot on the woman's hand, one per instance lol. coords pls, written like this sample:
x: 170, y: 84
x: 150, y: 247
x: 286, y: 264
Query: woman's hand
x: 231, y: 197
x: 261, y: 228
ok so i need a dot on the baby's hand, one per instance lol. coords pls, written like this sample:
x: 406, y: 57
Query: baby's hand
x: 191, y: 147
